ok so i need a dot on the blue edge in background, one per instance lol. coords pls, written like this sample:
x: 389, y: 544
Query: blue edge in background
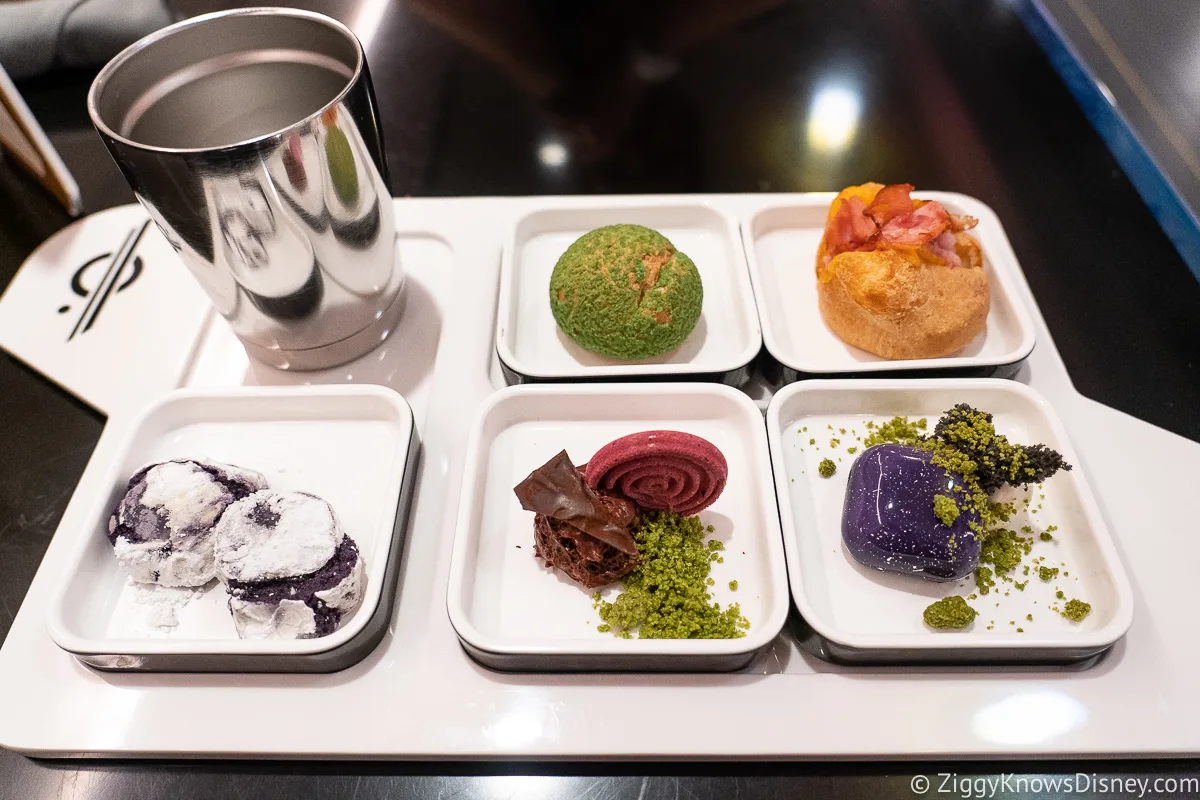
x: 1177, y: 219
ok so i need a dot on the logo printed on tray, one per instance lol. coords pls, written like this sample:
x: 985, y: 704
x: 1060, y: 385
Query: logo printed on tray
x: 123, y: 268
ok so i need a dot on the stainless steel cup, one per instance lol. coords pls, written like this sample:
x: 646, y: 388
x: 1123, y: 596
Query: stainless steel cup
x: 251, y: 137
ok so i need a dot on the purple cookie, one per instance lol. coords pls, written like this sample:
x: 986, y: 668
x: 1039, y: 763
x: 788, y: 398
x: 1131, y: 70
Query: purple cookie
x: 888, y: 521
x: 161, y: 531
x: 290, y: 571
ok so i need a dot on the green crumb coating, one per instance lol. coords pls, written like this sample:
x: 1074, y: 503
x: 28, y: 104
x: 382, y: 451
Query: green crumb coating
x: 603, y: 628
x: 812, y: 441
x: 667, y: 596
x: 1047, y: 573
x: 1076, y: 610
x: 1059, y: 594
x: 733, y: 586
x: 834, y: 442
x: 1046, y: 536
x: 827, y: 468
x: 984, y: 580
x: 945, y: 509
x: 343, y: 172
x: 1051, y: 528
x: 625, y: 292
x: 897, y: 430
x: 949, y: 613
x: 851, y: 450
x: 1003, y: 549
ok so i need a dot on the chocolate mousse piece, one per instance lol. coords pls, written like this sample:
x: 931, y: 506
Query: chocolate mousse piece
x: 893, y: 521
x: 583, y: 533
x: 289, y: 570
x: 161, y: 530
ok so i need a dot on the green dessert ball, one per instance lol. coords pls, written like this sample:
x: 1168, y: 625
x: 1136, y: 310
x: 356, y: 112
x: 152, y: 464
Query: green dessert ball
x: 625, y: 292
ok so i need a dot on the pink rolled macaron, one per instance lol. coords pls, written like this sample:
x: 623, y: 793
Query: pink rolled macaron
x: 665, y: 470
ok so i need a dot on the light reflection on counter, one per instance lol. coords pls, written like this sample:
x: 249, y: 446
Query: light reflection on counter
x: 1029, y: 718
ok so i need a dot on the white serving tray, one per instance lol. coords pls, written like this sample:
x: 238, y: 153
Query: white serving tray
x: 532, y: 348
x: 419, y: 696
x: 781, y: 245
x: 868, y: 616
x: 513, y: 613
x: 349, y: 445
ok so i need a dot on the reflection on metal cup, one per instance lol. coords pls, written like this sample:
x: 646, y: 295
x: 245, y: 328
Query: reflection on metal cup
x: 251, y: 137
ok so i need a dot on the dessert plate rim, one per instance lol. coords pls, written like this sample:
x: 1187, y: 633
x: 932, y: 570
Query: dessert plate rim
x: 1000, y: 255
x: 606, y: 652
x: 948, y: 646
x: 235, y: 654
x: 521, y: 370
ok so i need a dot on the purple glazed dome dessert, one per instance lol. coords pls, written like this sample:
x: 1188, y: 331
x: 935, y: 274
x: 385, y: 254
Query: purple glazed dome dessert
x: 891, y: 520
x: 162, y: 530
x: 290, y: 571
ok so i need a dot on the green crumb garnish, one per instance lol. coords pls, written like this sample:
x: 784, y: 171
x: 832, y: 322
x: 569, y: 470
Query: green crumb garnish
x: 827, y: 468
x: 945, y: 509
x: 1003, y: 549
x: 1045, y: 536
x: 733, y: 586
x: 984, y: 580
x: 1047, y: 573
x: 1020, y: 630
x: 666, y: 596
x: 842, y: 431
x: 710, y: 529
x: 949, y: 613
x: 851, y: 450
x: 1029, y: 617
x: 812, y: 441
x: 1020, y: 587
x: 1051, y: 528
x: 1026, y: 529
x: 834, y: 442
x: 604, y: 628
x: 1059, y: 594
x: 1076, y: 610
x: 898, y: 430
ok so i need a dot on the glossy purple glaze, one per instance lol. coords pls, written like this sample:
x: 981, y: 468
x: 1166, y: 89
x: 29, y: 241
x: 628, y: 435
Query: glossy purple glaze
x: 888, y: 521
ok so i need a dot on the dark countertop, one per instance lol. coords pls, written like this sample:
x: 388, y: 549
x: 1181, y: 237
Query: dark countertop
x: 482, y: 98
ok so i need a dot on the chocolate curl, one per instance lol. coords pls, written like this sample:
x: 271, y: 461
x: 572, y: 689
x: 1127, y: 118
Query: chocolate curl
x: 661, y: 469
x: 556, y: 489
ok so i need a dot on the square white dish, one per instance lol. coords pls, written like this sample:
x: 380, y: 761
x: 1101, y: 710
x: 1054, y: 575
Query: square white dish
x: 781, y: 245
x: 530, y: 346
x: 354, y: 446
x: 864, y: 615
x: 512, y: 613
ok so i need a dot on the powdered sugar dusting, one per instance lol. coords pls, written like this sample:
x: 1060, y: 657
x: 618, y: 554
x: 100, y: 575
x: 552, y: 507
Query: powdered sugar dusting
x: 271, y: 535
x: 186, y: 493
x: 153, y: 611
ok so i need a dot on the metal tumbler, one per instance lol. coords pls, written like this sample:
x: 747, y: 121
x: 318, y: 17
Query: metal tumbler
x: 252, y: 139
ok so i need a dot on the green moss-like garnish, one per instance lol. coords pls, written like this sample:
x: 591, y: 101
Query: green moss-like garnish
x: 667, y: 596
x: 1003, y: 549
x: 851, y: 450
x: 1045, y: 536
x: 624, y: 291
x: 733, y: 586
x: 827, y: 468
x: 984, y: 580
x: 1076, y: 610
x: 949, y: 613
x: 897, y: 430
x: 945, y: 509
x: 834, y: 442
x: 1047, y: 573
